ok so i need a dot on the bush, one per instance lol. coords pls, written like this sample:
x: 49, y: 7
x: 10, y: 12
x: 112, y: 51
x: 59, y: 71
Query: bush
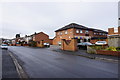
x: 118, y: 48
x: 111, y: 48
x: 97, y: 47
x: 32, y: 44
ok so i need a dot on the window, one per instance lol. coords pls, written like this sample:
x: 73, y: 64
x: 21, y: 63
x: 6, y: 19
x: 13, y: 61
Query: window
x: 81, y: 31
x: 77, y: 31
x: 61, y: 33
x: 58, y: 33
x: 66, y: 32
x: 86, y: 31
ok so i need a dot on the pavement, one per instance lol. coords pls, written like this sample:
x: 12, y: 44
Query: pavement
x: 0, y: 64
x: 84, y: 53
x: 8, y: 67
x: 46, y: 63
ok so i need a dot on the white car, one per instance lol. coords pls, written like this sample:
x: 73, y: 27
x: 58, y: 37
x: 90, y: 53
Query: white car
x: 47, y: 44
x: 101, y: 43
x: 4, y: 46
x: 84, y: 43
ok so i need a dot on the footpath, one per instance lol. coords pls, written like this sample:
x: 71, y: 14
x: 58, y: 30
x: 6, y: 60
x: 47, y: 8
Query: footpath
x: 84, y: 53
x: 8, y: 66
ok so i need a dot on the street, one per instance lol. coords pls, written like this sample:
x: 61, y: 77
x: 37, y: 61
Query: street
x: 8, y: 67
x: 45, y: 63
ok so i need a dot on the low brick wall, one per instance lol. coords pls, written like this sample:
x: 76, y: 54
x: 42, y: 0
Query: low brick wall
x: 112, y: 53
x: 91, y: 50
x: 18, y: 44
x: 25, y: 45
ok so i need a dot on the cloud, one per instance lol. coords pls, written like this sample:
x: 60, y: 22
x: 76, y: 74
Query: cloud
x: 30, y: 17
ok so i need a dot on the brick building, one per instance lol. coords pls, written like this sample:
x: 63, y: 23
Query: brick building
x: 81, y: 33
x: 37, y: 37
x: 114, y: 37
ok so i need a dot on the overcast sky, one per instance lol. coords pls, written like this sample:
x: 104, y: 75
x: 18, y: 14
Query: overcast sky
x: 30, y: 17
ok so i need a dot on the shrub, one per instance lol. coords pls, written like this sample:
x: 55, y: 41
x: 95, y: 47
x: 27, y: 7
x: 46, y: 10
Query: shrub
x: 32, y: 44
x: 118, y: 48
x: 97, y: 47
x: 111, y: 48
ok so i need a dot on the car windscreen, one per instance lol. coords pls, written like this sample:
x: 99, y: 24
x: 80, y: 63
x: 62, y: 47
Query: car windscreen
x: 101, y: 41
x: 4, y: 44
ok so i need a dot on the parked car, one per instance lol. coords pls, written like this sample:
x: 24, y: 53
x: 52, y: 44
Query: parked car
x: 4, y: 46
x: 101, y: 43
x: 59, y: 43
x: 84, y: 45
x: 46, y: 44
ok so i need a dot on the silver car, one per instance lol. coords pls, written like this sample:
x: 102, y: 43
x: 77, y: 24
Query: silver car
x: 4, y: 46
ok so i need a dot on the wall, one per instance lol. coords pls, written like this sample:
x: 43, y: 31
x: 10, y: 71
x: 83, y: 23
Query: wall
x: 72, y: 33
x: 42, y: 36
x: 71, y: 46
x: 112, y: 53
x: 114, y: 41
x: 112, y: 32
x: 60, y: 36
x: 40, y: 44
x: 91, y: 50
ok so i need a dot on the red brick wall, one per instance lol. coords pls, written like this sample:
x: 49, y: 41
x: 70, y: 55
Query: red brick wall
x: 118, y: 30
x: 112, y: 53
x: 72, y: 46
x: 42, y: 36
x: 67, y: 36
x: 71, y: 34
x: 111, y: 31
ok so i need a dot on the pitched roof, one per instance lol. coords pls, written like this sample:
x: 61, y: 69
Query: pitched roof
x: 72, y: 25
x: 77, y: 26
x: 39, y: 33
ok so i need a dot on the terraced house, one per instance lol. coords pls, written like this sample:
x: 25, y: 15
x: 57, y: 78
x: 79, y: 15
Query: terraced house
x: 81, y: 33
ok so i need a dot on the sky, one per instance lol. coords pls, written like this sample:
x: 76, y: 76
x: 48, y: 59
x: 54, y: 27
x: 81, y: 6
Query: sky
x: 28, y: 17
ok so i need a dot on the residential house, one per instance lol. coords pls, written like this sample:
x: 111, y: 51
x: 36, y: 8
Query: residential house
x: 81, y: 33
x: 37, y: 37
x: 28, y: 39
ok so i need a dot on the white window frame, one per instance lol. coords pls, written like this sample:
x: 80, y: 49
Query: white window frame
x: 77, y: 31
x: 66, y: 32
x: 60, y: 33
x: 86, y: 31
x: 81, y: 31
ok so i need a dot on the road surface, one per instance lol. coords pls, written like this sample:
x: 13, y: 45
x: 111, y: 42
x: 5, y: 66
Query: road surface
x: 8, y: 67
x: 45, y: 63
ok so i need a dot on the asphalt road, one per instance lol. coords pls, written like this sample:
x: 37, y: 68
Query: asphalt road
x: 8, y: 67
x: 45, y: 63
